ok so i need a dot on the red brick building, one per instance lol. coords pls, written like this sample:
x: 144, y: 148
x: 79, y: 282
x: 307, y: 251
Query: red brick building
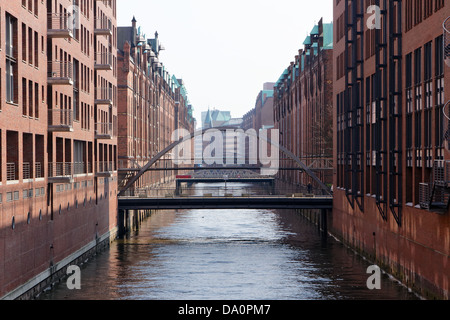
x: 58, y: 137
x: 152, y: 104
x: 391, y: 198
x: 303, y: 105
x: 261, y: 116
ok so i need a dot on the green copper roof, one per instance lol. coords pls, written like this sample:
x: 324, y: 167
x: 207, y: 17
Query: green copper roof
x: 281, y: 78
x: 307, y: 41
x: 327, y: 36
x: 315, y: 30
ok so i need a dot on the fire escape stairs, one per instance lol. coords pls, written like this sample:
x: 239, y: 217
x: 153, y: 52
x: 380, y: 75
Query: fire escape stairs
x: 435, y: 196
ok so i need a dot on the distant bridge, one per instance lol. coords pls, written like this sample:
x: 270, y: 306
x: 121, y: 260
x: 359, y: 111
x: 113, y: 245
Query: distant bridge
x: 226, y: 202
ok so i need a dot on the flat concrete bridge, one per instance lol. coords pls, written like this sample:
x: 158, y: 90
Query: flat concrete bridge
x: 226, y: 202
x: 127, y: 205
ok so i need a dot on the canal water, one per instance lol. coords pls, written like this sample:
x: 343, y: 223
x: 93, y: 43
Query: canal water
x: 227, y: 255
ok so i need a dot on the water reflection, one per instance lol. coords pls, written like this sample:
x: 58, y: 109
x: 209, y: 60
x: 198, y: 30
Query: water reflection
x: 225, y: 255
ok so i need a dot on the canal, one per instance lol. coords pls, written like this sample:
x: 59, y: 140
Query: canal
x: 227, y: 255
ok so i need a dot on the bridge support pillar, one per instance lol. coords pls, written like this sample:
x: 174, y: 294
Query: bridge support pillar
x: 177, y: 189
x: 323, y: 221
x: 121, y: 223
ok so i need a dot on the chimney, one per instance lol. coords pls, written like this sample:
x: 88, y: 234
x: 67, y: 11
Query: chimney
x: 134, y: 30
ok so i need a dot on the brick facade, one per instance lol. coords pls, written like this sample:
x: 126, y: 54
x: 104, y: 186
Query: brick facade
x: 152, y: 105
x: 303, y: 107
x: 389, y: 133
x: 58, y: 134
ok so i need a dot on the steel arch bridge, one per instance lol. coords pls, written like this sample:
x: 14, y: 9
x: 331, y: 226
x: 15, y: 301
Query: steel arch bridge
x: 192, y: 135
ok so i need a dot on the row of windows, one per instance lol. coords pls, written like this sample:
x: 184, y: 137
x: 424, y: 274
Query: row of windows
x: 30, y: 98
x: 14, y: 196
x: 26, y: 194
x: 30, y: 46
x: 417, y: 11
x: 32, y: 6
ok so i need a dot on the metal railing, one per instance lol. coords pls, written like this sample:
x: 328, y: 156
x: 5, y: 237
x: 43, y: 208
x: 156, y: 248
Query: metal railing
x: 425, y: 195
x: 60, y: 21
x: 105, y: 166
x: 79, y: 168
x: 446, y: 111
x: 60, y: 70
x: 104, y: 129
x: 219, y: 191
x: 60, y: 117
x: 60, y: 169
x: 103, y: 58
x: 11, y: 171
x: 104, y: 94
x: 441, y: 172
x: 38, y: 170
x: 89, y: 168
x: 103, y: 24
x: 27, y: 173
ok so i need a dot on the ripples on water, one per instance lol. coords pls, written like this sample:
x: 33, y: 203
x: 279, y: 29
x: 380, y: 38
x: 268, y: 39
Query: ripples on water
x: 227, y: 255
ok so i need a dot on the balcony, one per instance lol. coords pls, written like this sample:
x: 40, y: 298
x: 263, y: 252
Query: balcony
x: 436, y: 195
x: 11, y: 173
x: 29, y: 174
x: 60, y: 172
x: 59, y: 25
x: 104, y: 131
x: 60, y: 73
x: 60, y: 120
x: 441, y: 173
x: 38, y: 174
x: 103, y: 61
x: 104, y: 96
x: 425, y: 195
x: 103, y: 27
x: 105, y: 169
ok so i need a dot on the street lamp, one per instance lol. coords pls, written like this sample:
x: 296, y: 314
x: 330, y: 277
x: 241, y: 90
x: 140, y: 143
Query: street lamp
x: 225, y: 177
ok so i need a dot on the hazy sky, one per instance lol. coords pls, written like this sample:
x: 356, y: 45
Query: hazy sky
x: 226, y: 50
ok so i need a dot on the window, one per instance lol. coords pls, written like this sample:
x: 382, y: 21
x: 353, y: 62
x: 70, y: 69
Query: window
x: 428, y: 8
x: 418, y: 14
x: 439, y: 4
x: 428, y: 62
x: 409, y: 15
x: 439, y: 91
x: 36, y: 100
x: 30, y: 46
x: 36, y: 50
x: 11, y: 59
x: 418, y: 66
x: 439, y: 44
x: 24, y: 96
x: 30, y: 98
x: 24, y: 42
x: 409, y: 106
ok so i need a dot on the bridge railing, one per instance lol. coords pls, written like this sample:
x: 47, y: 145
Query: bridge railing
x: 222, y: 191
